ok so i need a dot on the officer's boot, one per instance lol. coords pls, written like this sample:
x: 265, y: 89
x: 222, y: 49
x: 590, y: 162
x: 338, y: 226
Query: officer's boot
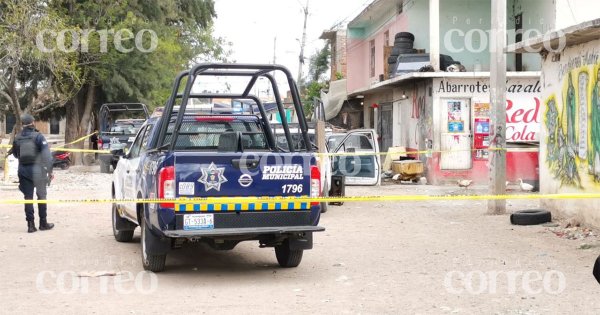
x: 44, y: 225
x: 31, y: 227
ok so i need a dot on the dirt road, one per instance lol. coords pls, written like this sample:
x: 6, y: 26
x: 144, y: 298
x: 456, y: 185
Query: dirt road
x: 374, y: 258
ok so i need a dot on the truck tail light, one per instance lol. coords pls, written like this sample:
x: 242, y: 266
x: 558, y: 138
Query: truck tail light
x: 166, y: 185
x: 315, y: 183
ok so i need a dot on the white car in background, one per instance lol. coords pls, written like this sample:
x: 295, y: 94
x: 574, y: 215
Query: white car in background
x: 363, y: 168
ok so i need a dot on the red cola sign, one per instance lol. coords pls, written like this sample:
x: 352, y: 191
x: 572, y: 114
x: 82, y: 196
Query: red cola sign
x: 522, y: 119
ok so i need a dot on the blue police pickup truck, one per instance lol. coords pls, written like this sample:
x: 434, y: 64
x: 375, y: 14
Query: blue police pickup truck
x: 193, y: 150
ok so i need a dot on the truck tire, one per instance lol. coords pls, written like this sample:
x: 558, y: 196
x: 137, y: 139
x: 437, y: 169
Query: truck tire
x: 104, y: 167
x: 286, y: 257
x: 596, y: 271
x: 120, y: 235
x: 530, y: 217
x: 154, y: 263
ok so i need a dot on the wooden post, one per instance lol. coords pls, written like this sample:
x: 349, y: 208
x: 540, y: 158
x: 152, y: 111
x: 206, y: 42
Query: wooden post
x: 320, y: 136
x: 497, y: 152
x: 387, y: 51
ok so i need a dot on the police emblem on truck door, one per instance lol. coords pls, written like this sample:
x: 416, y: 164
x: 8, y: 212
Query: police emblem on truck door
x: 212, y: 177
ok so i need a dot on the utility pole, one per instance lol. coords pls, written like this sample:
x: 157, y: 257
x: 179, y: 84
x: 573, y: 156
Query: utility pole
x: 497, y: 147
x: 434, y: 34
x: 275, y: 50
x: 302, y: 44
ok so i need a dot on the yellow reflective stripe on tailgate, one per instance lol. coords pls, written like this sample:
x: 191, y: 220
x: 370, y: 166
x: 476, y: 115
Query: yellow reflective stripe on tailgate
x: 247, y: 206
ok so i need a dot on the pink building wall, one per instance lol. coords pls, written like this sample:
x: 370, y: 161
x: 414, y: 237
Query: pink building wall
x: 358, y: 53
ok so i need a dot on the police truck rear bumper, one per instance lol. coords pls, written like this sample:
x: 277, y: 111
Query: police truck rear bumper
x: 243, y: 231
x: 248, y: 223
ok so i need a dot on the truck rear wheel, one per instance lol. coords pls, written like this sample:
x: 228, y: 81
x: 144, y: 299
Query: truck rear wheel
x: 120, y: 235
x: 154, y: 263
x: 286, y: 257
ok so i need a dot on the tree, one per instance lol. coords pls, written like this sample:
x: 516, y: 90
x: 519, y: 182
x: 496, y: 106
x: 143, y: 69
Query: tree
x: 110, y: 73
x: 319, y: 64
x: 31, y: 81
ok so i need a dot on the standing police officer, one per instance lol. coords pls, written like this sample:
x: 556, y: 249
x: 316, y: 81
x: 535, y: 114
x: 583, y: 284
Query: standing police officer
x: 35, y: 170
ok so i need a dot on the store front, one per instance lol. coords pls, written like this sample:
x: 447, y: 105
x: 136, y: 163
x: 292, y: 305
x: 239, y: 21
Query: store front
x: 450, y: 116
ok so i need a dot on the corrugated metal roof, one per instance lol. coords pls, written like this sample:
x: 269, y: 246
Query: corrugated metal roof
x: 559, y: 39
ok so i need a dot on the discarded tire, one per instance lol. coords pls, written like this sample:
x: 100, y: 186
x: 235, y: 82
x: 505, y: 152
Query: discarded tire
x: 407, y: 51
x: 403, y: 40
x: 404, y: 45
x: 530, y: 217
x: 597, y: 269
x: 399, y: 51
x: 406, y: 35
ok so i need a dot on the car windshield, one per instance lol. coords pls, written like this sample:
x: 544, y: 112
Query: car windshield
x: 355, y: 141
x: 125, y: 128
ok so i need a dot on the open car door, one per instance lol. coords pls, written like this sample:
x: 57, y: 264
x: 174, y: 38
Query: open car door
x: 362, y: 168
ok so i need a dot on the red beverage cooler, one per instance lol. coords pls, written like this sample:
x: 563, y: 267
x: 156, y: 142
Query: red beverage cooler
x: 481, y: 138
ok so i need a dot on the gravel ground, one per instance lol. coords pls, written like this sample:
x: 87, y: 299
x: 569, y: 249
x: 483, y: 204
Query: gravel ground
x: 374, y: 258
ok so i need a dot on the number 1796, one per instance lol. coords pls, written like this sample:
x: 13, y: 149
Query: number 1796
x: 292, y: 188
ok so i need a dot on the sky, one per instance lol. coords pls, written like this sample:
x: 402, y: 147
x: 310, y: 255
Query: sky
x: 252, y: 25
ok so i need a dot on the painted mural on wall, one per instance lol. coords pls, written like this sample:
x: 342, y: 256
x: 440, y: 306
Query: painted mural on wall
x: 572, y: 121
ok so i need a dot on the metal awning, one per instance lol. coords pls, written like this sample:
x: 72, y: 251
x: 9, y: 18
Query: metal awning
x: 413, y: 76
x: 570, y: 36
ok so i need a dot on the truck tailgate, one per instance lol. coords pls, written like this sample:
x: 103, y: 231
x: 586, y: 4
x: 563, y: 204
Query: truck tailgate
x: 229, y: 175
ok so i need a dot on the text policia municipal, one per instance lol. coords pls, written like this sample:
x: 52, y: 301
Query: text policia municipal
x: 282, y: 172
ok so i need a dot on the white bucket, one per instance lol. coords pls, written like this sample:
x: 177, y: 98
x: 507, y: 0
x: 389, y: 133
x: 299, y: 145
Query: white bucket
x: 13, y: 165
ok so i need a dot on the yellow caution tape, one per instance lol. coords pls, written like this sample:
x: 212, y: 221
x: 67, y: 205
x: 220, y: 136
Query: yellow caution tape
x: 79, y: 150
x: 77, y: 140
x: 63, y: 149
x: 313, y: 199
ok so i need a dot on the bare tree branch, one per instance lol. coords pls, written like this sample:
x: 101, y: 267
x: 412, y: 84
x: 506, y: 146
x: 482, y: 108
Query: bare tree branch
x: 6, y: 96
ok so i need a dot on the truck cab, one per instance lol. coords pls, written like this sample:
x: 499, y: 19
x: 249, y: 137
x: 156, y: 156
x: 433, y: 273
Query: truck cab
x: 217, y: 176
x: 118, y: 124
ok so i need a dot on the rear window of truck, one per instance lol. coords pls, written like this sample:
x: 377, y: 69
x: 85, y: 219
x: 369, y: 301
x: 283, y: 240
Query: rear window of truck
x: 219, y: 135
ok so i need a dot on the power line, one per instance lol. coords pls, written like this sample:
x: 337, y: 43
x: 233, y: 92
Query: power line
x: 354, y: 13
x: 572, y: 13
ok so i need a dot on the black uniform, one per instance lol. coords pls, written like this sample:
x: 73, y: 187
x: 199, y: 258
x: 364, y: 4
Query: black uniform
x: 94, y: 141
x: 33, y: 174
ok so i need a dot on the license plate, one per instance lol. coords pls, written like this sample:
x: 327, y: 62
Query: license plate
x: 202, y: 221
x: 130, y: 139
